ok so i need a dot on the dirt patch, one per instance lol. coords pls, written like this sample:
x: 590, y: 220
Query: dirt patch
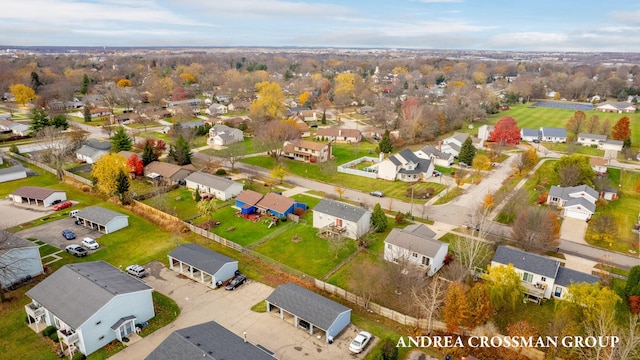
x: 296, y: 239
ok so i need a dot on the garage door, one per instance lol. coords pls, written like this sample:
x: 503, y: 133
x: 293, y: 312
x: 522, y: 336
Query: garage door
x: 576, y: 214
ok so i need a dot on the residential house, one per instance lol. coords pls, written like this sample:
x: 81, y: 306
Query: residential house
x: 591, y: 139
x: 307, y: 151
x: 438, y: 157
x: 310, y: 115
x: 166, y: 173
x: 207, y: 341
x: 187, y: 102
x: 101, y: 219
x: 578, y: 202
x: 541, y: 276
x: 484, y: 132
x: 556, y: 135
x: 222, y: 98
x: 616, y: 107
x: 303, y: 128
x: 39, y: 196
x: 15, y: 128
x: 416, y: 245
x: 276, y: 205
x: 405, y: 166
x: 92, y: 150
x: 202, y: 264
x: 218, y: 186
x: 452, y: 144
x: 292, y: 111
x: 339, y: 135
x: 19, y: 260
x: 599, y: 165
x: 224, y: 135
x: 319, y: 313
x: 217, y: 109
x: 340, y: 218
x: 615, y: 145
x: 100, y: 113
x: 247, y: 201
x: 529, y: 135
x: 90, y: 304
x: 190, y: 124
x: 13, y: 173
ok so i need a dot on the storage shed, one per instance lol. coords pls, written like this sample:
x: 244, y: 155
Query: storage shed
x: 101, y: 219
x: 202, y: 264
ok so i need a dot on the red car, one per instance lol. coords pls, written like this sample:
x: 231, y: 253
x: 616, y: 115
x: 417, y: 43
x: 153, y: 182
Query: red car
x: 62, y: 205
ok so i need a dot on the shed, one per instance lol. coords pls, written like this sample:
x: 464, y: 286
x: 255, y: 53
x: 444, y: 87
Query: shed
x: 12, y: 173
x: 316, y: 310
x: 101, y: 219
x: 202, y: 264
x: 38, y: 196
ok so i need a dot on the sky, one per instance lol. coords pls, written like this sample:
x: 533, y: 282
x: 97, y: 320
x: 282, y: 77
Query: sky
x: 506, y: 25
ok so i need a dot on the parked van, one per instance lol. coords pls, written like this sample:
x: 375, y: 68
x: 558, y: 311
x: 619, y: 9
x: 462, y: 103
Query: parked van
x: 73, y: 213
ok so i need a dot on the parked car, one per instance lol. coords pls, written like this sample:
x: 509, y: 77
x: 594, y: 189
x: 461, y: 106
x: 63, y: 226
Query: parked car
x: 56, y: 201
x: 62, y: 205
x: 303, y: 324
x: 436, y: 173
x: 90, y: 243
x: 464, y: 165
x: 361, y: 340
x: 377, y: 194
x: 136, y: 270
x: 68, y: 234
x: 235, y: 282
x: 76, y: 250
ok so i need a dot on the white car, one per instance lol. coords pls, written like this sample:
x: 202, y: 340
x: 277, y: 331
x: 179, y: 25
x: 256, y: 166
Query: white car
x: 136, y: 270
x: 358, y: 344
x: 90, y: 244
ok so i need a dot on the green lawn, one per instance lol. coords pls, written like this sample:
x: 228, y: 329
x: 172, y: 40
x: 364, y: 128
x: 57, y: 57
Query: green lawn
x: 246, y: 232
x: 247, y: 148
x: 574, y: 149
x: 178, y: 202
x: 450, y: 195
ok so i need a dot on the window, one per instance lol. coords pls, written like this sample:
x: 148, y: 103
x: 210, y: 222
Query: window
x: 415, y: 255
x: 98, y: 322
x: 425, y: 260
x: 389, y: 246
x: 543, y: 278
x: 527, y: 277
x: 558, y: 292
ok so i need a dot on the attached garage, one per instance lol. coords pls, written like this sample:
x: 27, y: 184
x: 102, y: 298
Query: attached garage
x: 39, y: 196
x: 579, y: 208
x: 101, y: 219
x: 307, y: 309
x: 202, y: 264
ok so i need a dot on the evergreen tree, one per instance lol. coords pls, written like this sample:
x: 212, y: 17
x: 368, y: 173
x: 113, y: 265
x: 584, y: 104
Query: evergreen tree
x: 379, y: 219
x: 87, y: 113
x: 60, y: 121
x: 147, y: 154
x: 197, y: 196
x: 324, y: 118
x: 181, y: 153
x: 122, y: 185
x: 385, y: 144
x: 84, y: 87
x: 35, y: 81
x: 467, y: 152
x: 633, y: 282
x: 120, y: 141
x: 40, y: 119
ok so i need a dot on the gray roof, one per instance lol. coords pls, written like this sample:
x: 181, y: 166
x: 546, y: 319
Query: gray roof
x: 581, y: 202
x: 417, y: 238
x: 592, y: 136
x: 340, y: 210
x: 461, y: 137
x: 314, y: 308
x: 200, y: 257
x: 89, y: 151
x: 10, y: 241
x: 209, y: 341
x: 567, y: 277
x: 212, y: 181
x: 98, y: 144
x: 530, y: 132
x: 553, y: 132
x: 565, y: 192
x: 617, y: 104
x: 532, y: 263
x: 422, y: 165
x: 12, y: 169
x: 191, y: 124
x: 614, y: 142
x: 98, y: 215
x: 76, y: 292
x: 431, y: 150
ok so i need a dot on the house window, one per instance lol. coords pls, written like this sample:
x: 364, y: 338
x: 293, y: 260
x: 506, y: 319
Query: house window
x: 101, y: 337
x: 389, y: 246
x: 425, y: 260
x: 543, y: 278
x: 339, y: 222
x: 527, y: 277
x: 557, y: 292
x: 415, y: 255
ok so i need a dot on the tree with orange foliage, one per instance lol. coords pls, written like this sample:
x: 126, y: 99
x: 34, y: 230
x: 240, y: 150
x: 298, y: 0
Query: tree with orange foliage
x: 123, y: 83
x: 456, y: 308
x: 622, y: 131
x: 522, y: 328
x: 487, y: 202
x: 135, y: 164
x: 506, y: 131
x: 536, y: 229
x: 479, y: 305
x: 22, y: 93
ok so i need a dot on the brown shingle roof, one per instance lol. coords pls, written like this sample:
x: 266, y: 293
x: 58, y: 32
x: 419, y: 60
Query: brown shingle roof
x: 273, y: 201
x: 165, y: 169
x: 355, y: 133
x: 317, y: 146
x: 249, y: 197
x: 34, y: 192
x: 596, y: 161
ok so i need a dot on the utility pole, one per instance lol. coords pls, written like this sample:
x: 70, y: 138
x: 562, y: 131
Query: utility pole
x: 411, y: 211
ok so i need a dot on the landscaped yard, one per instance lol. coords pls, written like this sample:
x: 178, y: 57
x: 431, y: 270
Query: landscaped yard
x: 178, y: 202
x: 245, y: 232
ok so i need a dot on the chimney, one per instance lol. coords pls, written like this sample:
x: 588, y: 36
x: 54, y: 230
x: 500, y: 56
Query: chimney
x: 381, y: 157
x: 339, y: 132
x: 440, y: 145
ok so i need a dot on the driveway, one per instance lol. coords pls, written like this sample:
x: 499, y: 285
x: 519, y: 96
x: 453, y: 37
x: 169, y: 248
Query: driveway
x: 12, y: 214
x: 573, y: 230
x: 232, y: 309
x: 51, y: 233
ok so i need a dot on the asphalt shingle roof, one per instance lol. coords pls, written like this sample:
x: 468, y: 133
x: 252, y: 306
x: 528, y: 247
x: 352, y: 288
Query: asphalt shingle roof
x: 532, y: 263
x: 276, y: 202
x: 553, y: 132
x: 212, y: 181
x: 567, y: 277
x: 34, y: 192
x: 98, y: 215
x: 76, y: 292
x: 12, y: 169
x: 10, y: 241
x: 417, y: 238
x: 340, y: 210
x: 201, y: 258
x: 565, y: 192
x: 314, y: 308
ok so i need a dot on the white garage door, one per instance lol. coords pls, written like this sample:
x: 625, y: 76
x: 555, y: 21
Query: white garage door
x: 576, y: 214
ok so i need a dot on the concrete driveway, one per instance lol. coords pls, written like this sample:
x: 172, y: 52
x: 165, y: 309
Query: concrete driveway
x: 573, y: 230
x: 12, y: 214
x: 232, y: 309
x: 51, y: 233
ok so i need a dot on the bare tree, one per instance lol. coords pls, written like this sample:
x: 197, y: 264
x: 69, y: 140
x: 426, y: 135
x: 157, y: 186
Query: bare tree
x: 536, y: 229
x: 569, y: 175
x: 629, y: 334
x: 470, y: 252
x: 59, y: 149
x: 232, y: 153
x: 14, y: 266
x: 271, y: 136
x: 368, y: 280
x: 429, y: 299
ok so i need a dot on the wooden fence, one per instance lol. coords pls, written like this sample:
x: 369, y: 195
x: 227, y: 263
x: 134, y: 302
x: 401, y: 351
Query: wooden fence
x: 48, y: 168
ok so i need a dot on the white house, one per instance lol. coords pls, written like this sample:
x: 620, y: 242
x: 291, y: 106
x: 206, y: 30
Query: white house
x: 578, y: 202
x: 101, y: 219
x: 542, y: 277
x: 616, y: 107
x: 529, y: 135
x: 484, y: 132
x: 591, y: 139
x: 307, y: 151
x: 91, y: 304
x: 615, y: 145
x: 415, y: 245
x: 438, y: 157
x: 19, y: 260
x: 556, y: 135
x: 452, y: 144
x: 599, y: 165
x: 92, y: 150
x: 217, y: 109
x: 339, y: 135
x: 13, y: 173
x: 351, y: 221
x: 224, y: 135
x: 202, y: 264
x: 207, y: 184
x: 405, y: 166
x: 38, y: 196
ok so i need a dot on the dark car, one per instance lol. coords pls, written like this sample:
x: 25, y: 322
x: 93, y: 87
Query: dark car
x: 56, y: 201
x: 235, y: 282
x: 303, y: 324
x: 68, y: 234
x: 76, y: 250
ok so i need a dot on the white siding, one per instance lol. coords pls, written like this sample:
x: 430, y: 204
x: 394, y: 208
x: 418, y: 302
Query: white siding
x: 20, y: 263
x: 117, y: 224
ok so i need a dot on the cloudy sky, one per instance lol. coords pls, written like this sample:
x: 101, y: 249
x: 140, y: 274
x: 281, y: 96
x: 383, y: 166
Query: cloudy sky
x: 558, y: 25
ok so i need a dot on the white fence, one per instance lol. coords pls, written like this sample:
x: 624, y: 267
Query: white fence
x: 349, y: 168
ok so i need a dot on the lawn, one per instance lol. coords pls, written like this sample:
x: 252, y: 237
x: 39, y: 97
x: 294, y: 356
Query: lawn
x: 298, y: 247
x: 450, y: 195
x: 574, y: 148
x: 178, y: 202
x: 247, y: 148
x: 245, y: 232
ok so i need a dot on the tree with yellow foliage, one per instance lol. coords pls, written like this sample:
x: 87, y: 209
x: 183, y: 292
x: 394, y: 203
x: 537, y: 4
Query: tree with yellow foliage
x: 270, y: 102
x: 187, y: 79
x: 345, y: 87
x: 278, y: 173
x: 123, y: 83
x: 107, y: 170
x: 481, y: 162
x: 305, y: 97
x: 400, y: 70
x: 22, y: 93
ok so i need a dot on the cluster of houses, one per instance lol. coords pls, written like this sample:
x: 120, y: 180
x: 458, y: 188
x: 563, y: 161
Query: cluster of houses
x: 16, y: 128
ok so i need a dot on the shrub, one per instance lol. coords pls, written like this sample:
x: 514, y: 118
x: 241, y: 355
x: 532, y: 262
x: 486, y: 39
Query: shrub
x: 221, y: 172
x: 54, y: 337
x: 48, y: 331
x: 80, y: 356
